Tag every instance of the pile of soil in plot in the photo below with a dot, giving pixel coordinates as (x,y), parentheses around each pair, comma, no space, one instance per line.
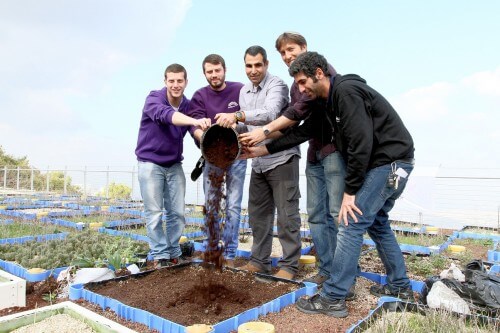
(194,294)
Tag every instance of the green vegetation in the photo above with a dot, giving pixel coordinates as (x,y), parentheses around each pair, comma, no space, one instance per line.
(97,217)
(433,321)
(420,239)
(116,192)
(426,266)
(20,229)
(88,245)
(474,249)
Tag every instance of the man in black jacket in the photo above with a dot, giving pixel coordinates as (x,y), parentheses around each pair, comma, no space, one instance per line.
(378,151)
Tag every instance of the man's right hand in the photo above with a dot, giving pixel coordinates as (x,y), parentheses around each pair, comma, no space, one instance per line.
(202,123)
(252,138)
(249,152)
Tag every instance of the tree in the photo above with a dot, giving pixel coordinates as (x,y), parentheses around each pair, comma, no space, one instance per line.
(27,174)
(117,191)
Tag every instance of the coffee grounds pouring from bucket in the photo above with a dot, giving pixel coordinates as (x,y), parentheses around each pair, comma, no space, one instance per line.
(220,147)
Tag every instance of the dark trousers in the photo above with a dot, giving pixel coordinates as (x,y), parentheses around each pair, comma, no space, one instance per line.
(276,189)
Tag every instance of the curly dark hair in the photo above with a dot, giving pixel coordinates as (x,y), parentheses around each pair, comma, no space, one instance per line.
(307,63)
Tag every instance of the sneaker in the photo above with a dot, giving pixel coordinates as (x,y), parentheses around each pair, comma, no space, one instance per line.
(403,294)
(159,263)
(179,260)
(317,304)
(318,279)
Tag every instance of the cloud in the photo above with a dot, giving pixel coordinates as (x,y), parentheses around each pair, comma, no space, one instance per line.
(454,122)
(484,83)
(425,103)
(56,52)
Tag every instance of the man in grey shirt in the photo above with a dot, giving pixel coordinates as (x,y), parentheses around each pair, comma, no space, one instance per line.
(274,182)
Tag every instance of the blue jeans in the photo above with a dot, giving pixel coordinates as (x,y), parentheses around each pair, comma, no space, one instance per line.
(235,179)
(163,188)
(375,199)
(325,188)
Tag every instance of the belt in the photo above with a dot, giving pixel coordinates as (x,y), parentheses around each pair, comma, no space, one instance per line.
(406,160)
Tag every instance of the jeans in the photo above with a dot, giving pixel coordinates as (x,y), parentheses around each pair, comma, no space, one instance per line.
(235,179)
(325,188)
(163,188)
(375,199)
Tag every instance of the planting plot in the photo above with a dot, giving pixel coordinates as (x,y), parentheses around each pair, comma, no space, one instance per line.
(406,225)
(98,217)
(142,230)
(418,267)
(474,249)
(88,245)
(427,321)
(196,294)
(482,231)
(419,239)
(30,228)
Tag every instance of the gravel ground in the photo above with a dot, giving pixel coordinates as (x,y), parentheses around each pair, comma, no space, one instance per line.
(61,323)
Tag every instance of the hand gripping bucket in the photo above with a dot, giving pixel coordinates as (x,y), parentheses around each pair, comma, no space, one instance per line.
(220,146)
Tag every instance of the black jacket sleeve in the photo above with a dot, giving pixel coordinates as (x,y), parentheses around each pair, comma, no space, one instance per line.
(293,137)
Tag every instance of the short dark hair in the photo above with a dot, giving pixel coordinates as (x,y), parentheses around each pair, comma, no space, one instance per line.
(307,63)
(254,50)
(213,59)
(176,68)
(290,37)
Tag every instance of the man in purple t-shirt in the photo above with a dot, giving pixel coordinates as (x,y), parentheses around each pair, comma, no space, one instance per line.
(159,154)
(220,96)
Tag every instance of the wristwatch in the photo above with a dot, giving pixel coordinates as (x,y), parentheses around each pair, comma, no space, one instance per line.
(238,115)
(266,131)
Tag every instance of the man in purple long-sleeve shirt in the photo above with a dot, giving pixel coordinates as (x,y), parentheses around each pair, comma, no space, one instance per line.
(159,154)
(220,96)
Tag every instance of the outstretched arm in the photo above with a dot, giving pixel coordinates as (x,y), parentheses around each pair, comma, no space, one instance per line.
(257,135)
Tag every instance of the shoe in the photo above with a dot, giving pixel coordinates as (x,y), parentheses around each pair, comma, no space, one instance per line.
(403,294)
(252,268)
(179,260)
(351,294)
(317,304)
(282,274)
(229,263)
(160,263)
(318,279)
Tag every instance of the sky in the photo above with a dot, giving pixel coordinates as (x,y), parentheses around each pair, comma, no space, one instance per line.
(74,74)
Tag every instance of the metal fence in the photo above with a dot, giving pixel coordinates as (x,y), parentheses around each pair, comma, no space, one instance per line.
(447,197)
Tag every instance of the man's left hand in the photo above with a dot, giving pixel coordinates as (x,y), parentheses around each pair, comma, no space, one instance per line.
(348,208)
(252,138)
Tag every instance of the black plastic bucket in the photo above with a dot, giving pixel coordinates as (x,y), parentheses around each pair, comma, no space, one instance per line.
(220,146)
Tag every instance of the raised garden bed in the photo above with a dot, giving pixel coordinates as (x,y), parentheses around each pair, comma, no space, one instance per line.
(198,296)
(397,316)
(49,255)
(65,317)
(21,228)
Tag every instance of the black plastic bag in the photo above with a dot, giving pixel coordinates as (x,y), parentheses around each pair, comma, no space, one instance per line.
(480,290)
